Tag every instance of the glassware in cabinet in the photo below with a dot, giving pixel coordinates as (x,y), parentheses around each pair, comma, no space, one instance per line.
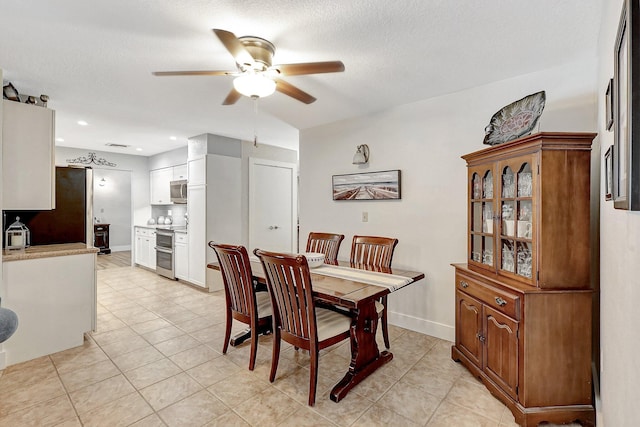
(481,218)
(517,221)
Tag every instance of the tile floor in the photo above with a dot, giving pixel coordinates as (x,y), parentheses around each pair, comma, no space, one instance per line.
(156,360)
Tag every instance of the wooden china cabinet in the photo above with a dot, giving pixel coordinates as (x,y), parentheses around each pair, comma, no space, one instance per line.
(523,299)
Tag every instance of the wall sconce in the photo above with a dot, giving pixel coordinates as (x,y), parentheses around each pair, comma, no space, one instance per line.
(362,155)
(102,182)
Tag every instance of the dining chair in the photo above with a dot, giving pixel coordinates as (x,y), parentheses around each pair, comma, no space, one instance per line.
(375,253)
(326,243)
(296,319)
(242,302)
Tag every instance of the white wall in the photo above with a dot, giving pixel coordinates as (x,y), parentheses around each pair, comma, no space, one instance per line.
(620,270)
(169,158)
(425,140)
(137,165)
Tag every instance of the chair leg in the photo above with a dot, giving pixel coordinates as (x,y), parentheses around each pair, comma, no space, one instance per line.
(385,326)
(313,377)
(254,346)
(275,355)
(227,332)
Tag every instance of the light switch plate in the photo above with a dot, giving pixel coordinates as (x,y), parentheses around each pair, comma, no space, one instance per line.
(365,216)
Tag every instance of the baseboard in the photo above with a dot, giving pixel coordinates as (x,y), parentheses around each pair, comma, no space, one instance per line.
(424,326)
(120,248)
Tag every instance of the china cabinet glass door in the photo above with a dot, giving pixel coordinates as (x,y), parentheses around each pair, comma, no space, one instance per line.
(516,225)
(482,217)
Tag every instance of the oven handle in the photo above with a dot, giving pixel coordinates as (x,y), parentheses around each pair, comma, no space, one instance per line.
(164,250)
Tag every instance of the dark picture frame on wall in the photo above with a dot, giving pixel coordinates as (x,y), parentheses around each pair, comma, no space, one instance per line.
(383,185)
(626,151)
(609,106)
(608,173)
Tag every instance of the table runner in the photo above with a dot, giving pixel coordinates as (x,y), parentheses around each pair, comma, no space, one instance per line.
(390,281)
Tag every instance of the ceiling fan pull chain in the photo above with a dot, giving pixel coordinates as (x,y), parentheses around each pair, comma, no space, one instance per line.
(255,121)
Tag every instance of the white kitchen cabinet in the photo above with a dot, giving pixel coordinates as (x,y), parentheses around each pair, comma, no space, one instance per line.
(159,183)
(214,213)
(197,170)
(28,157)
(160,180)
(180,172)
(144,250)
(181,253)
(55,300)
(197,229)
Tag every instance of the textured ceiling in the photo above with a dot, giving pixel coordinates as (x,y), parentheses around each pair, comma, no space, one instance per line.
(94,59)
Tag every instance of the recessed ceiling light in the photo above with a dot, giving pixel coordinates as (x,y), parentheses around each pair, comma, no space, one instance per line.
(60,139)
(173,138)
(138,149)
(82,123)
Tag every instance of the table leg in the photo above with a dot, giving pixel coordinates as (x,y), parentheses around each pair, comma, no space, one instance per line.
(240,337)
(365,356)
(244,335)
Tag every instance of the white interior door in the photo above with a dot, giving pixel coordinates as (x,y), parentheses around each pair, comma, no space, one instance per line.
(273,205)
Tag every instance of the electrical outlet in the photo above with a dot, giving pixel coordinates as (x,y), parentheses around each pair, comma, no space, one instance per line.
(365,216)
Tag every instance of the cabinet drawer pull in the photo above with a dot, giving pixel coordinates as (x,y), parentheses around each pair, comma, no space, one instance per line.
(464,284)
(500,302)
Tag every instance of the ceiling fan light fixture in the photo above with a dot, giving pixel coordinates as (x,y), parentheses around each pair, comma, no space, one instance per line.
(254,85)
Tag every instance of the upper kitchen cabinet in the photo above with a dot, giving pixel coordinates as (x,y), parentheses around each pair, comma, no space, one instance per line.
(160,181)
(180,172)
(28,157)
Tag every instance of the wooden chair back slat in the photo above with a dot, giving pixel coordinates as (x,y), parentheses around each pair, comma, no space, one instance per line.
(372,251)
(236,275)
(289,282)
(326,243)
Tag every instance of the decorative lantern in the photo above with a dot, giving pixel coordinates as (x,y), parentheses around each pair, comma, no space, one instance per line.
(17,236)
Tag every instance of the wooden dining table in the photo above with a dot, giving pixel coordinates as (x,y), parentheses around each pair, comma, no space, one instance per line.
(358,297)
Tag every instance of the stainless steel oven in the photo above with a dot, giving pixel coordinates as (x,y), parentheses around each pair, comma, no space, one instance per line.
(165,262)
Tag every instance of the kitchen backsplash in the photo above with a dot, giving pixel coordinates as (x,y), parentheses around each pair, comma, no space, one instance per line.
(177,213)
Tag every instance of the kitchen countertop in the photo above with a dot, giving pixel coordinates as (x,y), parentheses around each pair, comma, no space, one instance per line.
(47,251)
(177,228)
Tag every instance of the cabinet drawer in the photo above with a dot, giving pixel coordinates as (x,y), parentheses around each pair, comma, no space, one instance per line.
(181,238)
(500,300)
(145,232)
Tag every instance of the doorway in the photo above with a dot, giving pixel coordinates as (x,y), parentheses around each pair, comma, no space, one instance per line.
(112,205)
(273,205)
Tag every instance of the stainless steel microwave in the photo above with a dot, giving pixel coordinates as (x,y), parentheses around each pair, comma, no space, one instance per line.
(179,191)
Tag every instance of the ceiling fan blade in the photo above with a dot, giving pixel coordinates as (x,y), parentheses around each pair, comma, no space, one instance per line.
(310,68)
(234,46)
(194,73)
(232,97)
(294,92)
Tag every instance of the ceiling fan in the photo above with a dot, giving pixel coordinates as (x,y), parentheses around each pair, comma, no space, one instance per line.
(256,76)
